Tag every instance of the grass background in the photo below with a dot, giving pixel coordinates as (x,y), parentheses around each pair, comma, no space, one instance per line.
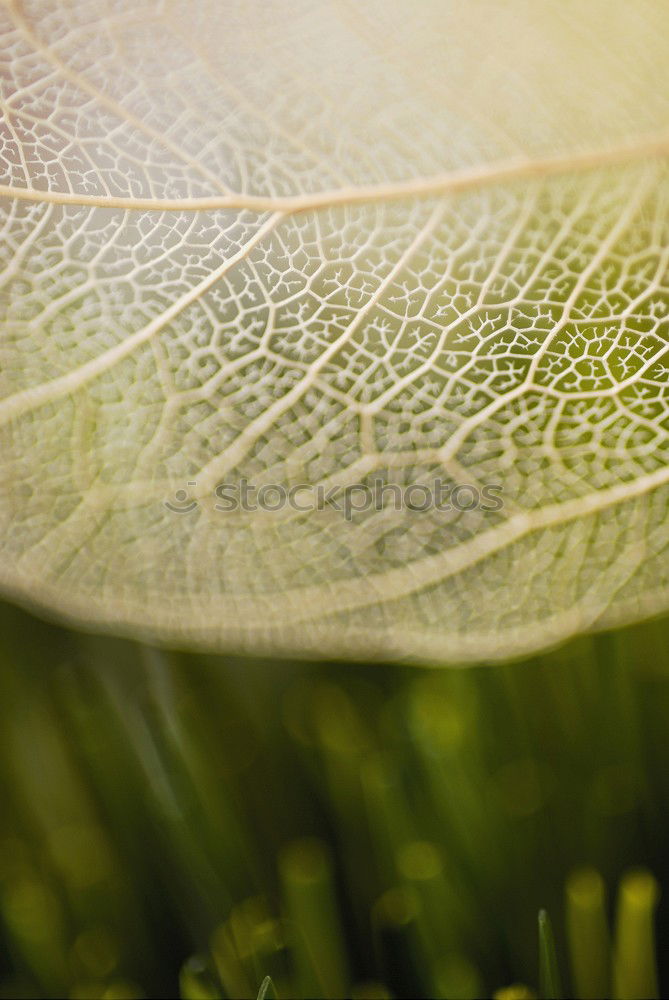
(175,822)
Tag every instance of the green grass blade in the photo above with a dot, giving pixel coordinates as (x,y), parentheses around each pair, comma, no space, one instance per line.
(309,891)
(549,977)
(634,967)
(588,934)
(267,991)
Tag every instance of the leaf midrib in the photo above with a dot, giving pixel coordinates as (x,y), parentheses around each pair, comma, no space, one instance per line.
(649,146)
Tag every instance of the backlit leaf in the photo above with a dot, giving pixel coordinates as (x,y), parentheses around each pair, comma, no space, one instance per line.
(346,245)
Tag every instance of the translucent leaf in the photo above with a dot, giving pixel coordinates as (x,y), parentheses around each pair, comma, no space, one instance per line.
(363,247)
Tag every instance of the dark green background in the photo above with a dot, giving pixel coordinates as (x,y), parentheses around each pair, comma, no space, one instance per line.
(147,794)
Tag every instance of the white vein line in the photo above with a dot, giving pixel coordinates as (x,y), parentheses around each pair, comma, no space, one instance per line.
(34,396)
(123,113)
(442,337)
(653,146)
(528,385)
(221,464)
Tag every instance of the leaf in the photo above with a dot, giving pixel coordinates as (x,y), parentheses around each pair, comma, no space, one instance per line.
(338,245)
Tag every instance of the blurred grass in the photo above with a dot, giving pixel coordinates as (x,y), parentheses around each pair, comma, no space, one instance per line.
(180,823)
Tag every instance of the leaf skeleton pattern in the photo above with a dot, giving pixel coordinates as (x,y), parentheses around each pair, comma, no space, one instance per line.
(328,245)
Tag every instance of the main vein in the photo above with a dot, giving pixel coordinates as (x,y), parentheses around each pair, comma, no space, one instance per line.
(653,146)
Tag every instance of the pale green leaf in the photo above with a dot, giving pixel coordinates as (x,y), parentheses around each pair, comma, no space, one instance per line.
(325,243)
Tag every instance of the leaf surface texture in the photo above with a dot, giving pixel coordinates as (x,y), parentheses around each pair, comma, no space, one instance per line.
(335,244)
